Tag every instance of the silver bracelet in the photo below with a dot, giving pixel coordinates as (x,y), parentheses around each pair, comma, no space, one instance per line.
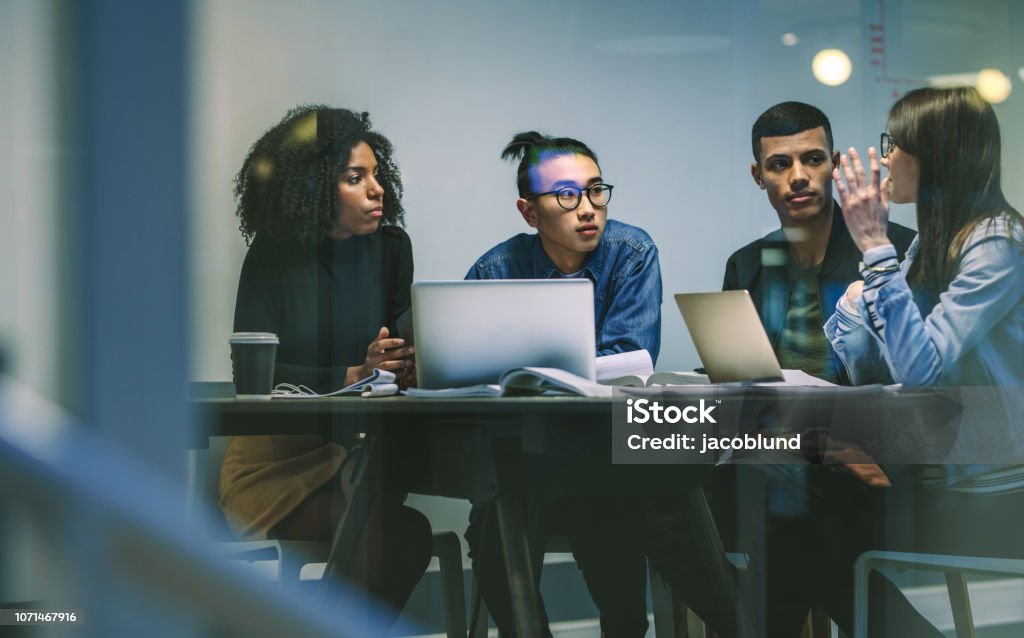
(862,266)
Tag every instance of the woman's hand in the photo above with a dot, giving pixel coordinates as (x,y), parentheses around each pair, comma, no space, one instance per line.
(853,292)
(383,353)
(853,460)
(407,377)
(865,200)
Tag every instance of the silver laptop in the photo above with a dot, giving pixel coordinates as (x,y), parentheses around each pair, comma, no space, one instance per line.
(730,339)
(469,332)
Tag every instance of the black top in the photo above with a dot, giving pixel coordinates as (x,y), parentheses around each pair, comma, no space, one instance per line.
(762,267)
(325,302)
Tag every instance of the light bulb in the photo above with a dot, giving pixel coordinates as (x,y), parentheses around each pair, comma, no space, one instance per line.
(831,67)
(993,85)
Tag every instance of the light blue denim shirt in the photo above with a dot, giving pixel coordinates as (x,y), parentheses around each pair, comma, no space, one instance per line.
(974,336)
(626,276)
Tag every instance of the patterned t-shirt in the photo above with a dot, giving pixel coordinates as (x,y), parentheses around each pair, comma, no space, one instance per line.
(802,344)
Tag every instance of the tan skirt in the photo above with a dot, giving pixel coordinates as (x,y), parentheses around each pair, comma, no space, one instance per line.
(264,478)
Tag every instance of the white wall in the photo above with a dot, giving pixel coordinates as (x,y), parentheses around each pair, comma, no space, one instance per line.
(665,92)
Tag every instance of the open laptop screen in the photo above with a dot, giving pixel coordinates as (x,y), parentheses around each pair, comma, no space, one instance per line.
(729,337)
(469,332)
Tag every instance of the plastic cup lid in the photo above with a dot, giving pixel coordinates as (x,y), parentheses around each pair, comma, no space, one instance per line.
(253,337)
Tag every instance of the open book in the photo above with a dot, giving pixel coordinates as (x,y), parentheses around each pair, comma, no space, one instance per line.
(524,382)
(635,369)
(379,384)
(552,381)
(660,378)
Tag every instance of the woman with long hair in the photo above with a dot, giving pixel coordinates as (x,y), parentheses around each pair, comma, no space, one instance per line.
(328,270)
(951,315)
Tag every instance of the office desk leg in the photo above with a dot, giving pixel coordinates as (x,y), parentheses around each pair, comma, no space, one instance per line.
(353,521)
(515,544)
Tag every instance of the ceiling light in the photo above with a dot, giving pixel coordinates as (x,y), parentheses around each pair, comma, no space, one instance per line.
(831,67)
(993,85)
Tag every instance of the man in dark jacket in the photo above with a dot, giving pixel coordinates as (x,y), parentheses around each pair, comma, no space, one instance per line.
(795,276)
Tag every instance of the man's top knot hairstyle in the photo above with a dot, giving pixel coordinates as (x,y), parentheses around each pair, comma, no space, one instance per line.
(531,148)
(788,118)
(287,189)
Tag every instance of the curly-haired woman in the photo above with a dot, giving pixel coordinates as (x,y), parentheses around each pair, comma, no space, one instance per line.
(328,270)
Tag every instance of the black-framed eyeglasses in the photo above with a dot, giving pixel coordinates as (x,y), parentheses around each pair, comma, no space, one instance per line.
(569,197)
(886,144)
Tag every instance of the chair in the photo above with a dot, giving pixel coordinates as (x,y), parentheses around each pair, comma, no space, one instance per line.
(672,619)
(203,487)
(955,569)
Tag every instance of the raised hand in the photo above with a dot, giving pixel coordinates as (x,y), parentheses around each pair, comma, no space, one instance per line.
(864,199)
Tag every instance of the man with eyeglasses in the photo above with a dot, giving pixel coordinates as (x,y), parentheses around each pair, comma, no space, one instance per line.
(562,195)
(796,275)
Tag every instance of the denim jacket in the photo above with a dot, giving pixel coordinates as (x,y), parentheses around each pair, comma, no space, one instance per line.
(974,336)
(626,276)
